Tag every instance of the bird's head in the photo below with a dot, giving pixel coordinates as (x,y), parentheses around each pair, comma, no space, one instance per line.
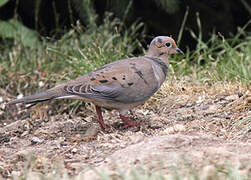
(162,47)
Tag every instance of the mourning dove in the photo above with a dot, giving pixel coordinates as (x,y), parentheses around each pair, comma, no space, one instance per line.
(120,85)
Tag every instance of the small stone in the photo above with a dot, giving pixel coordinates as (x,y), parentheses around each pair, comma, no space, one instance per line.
(36,140)
(200,100)
(20,96)
(74,150)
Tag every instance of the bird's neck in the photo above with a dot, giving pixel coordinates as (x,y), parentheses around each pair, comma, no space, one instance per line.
(162,57)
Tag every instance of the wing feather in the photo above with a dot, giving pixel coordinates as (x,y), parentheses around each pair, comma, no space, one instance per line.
(104,92)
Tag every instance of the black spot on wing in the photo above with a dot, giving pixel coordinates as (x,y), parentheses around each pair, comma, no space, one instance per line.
(130,84)
(103,81)
(114,78)
(93,79)
(139,73)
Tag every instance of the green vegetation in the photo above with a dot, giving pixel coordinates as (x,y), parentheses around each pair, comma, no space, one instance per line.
(219,59)
(77,52)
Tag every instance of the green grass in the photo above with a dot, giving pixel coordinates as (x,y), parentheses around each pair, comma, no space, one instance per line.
(218,59)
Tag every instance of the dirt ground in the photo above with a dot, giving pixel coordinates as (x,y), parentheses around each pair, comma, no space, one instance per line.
(200,124)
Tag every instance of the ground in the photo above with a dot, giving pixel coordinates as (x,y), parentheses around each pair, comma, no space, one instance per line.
(199,126)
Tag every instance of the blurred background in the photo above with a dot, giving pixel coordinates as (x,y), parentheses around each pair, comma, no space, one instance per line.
(53,18)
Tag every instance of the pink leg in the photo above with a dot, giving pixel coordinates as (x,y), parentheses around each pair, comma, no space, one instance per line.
(100,117)
(127,122)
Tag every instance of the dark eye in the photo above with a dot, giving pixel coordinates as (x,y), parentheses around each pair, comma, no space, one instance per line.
(168,44)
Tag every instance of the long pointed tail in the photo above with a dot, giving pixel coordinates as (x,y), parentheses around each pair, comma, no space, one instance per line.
(39,97)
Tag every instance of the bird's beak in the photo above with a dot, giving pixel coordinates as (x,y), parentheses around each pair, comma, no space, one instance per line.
(179,51)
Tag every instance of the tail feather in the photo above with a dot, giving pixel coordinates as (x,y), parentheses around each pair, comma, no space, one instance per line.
(39,97)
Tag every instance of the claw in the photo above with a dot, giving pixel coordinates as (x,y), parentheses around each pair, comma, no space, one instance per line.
(128,123)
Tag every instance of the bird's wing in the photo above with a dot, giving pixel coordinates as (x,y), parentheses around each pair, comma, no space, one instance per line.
(127,81)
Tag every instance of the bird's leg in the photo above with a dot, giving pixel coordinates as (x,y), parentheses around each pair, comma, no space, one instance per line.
(100,117)
(127,122)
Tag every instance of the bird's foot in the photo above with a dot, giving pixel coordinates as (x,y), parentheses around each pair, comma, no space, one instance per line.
(128,123)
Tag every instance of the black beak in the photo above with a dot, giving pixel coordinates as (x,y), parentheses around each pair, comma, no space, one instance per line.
(179,51)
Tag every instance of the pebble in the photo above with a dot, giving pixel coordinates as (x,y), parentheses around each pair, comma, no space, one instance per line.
(36,140)
(200,100)
(74,150)
(20,96)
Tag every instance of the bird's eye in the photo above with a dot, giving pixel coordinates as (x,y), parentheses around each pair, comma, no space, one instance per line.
(168,44)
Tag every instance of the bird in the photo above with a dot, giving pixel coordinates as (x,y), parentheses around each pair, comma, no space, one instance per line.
(120,85)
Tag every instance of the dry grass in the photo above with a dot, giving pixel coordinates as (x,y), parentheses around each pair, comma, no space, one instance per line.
(203,127)
(225,106)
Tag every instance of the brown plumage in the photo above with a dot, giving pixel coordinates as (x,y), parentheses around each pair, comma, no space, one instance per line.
(120,85)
